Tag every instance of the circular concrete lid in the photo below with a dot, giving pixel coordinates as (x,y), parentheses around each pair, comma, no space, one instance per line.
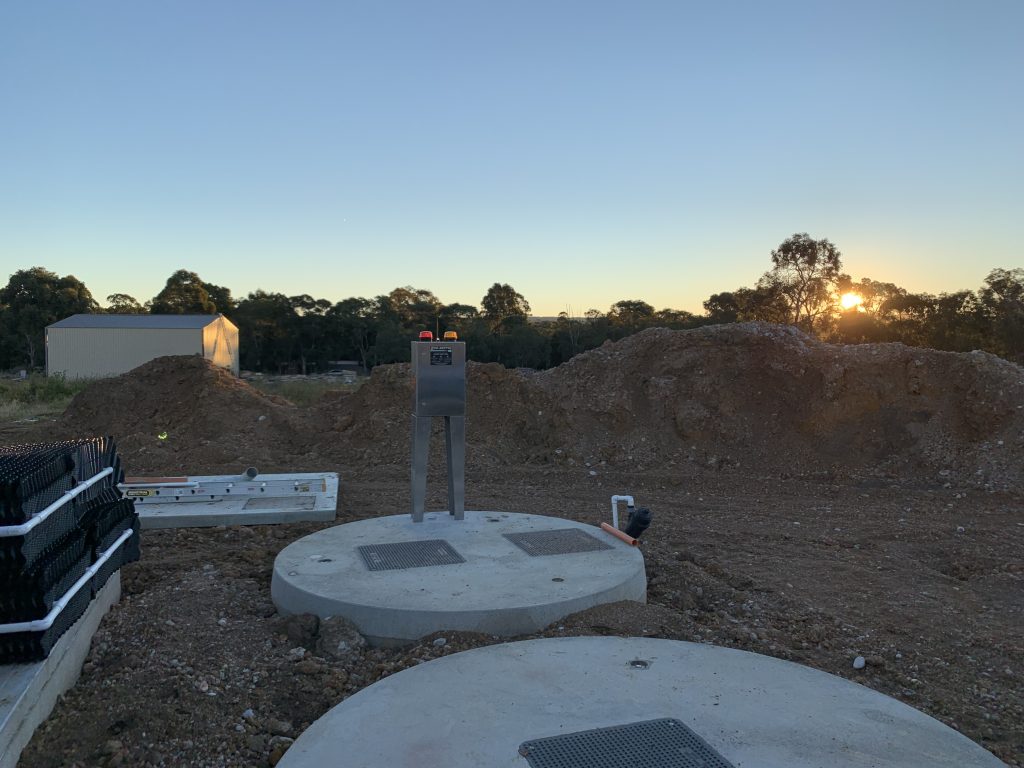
(499,589)
(476,708)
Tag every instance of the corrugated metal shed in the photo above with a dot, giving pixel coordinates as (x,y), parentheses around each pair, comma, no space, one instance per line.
(136,321)
(97,346)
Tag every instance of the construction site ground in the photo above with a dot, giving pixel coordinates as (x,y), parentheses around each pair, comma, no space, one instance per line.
(811,502)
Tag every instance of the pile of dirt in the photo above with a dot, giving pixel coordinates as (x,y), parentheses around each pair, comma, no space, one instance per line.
(509,420)
(183,414)
(763,399)
(771,399)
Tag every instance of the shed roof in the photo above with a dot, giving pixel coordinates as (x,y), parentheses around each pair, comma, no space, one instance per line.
(164,322)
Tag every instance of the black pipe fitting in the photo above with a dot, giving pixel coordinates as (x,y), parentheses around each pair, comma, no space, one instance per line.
(638,522)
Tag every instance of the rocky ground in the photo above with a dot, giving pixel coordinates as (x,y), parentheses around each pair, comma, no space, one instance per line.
(906,548)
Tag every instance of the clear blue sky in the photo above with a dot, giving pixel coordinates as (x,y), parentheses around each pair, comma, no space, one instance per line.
(584,152)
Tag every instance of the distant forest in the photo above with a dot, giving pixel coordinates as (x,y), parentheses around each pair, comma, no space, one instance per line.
(805,287)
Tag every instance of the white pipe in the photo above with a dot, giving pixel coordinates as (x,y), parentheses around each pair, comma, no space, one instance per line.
(21,530)
(46,622)
(615,507)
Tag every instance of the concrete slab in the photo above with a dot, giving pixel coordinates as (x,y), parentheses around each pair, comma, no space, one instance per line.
(476,708)
(264,500)
(28,692)
(205,514)
(499,589)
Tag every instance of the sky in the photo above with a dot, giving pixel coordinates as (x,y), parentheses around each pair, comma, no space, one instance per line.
(583,152)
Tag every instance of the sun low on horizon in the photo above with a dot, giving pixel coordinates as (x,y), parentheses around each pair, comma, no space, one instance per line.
(851,301)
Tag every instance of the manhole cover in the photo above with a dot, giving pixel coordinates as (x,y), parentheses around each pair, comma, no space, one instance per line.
(664,743)
(560,542)
(409,554)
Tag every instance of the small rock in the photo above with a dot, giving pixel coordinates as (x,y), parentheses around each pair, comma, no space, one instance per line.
(440,642)
(297,653)
(277,727)
(222,622)
(338,638)
(859,662)
(277,751)
(276,754)
(960,529)
(308,667)
(256,742)
(248,714)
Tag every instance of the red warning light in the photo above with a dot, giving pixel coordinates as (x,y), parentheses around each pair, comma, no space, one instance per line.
(426,336)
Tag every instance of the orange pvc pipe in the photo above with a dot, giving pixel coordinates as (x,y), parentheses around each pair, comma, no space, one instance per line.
(620,535)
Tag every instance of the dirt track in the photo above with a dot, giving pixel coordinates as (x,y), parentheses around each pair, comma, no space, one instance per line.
(812,502)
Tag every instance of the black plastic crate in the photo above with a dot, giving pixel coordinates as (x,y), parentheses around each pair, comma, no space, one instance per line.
(20,647)
(112,521)
(88,454)
(133,547)
(39,567)
(18,553)
(29,602)
(34,476)
(32,481)
(127,552)
(29,594)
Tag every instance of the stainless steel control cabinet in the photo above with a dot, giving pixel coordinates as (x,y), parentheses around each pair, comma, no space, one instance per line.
(439,369)
(439,389)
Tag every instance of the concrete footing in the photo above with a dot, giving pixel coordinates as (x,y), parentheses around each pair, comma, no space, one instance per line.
(199,501)
(477,708)
(28,692)
(269,511)
(482,579)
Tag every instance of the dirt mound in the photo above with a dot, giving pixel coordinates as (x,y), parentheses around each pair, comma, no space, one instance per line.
(509,420)
(213,421)
(764,399)
(771,399)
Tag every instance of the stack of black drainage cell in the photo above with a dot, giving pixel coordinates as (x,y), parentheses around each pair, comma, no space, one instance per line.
(64,530)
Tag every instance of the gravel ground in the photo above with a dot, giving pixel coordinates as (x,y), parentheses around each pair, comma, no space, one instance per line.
(195,668)
(813,502)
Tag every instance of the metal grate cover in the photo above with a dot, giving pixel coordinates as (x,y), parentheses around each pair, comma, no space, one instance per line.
(563,541)
(409,554)
(664,743)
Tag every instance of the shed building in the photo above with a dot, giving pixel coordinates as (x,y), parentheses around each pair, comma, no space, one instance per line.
(97,346)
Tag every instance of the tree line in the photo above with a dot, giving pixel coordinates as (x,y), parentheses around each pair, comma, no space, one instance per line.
(805,286)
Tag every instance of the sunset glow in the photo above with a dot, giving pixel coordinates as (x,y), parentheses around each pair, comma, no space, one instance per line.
(850,300)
